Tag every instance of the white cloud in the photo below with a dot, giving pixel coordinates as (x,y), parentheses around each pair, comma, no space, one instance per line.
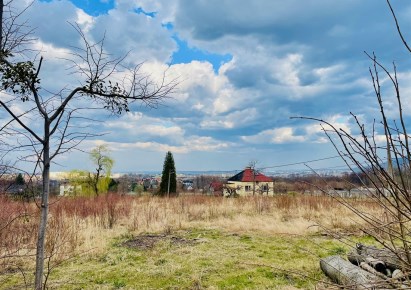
(157,130)
(50,51)
(195,143)
(84,20)
(200,88)
(224,102)
(190,144)
(198,106)
(283,64)
(237,119)
(286,70)
(142,38)
(325,73)
(149,146)
(275,136)
(140,126)
(339,122)
(217,124)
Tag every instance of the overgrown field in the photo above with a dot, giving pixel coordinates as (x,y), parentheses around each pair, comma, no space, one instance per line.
(187,242)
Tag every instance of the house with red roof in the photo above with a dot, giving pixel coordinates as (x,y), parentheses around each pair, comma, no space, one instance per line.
(249,182)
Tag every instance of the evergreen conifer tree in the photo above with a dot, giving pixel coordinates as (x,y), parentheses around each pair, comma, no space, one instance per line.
(20,179)
(168,176)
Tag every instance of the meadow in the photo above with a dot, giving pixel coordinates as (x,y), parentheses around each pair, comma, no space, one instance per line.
(186,242)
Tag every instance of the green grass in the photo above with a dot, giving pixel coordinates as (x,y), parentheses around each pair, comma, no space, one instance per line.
(214,260)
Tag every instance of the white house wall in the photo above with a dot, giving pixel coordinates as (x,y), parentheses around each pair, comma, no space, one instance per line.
(246,188)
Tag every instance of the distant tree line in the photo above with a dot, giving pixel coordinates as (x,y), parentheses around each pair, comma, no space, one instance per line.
(309,183)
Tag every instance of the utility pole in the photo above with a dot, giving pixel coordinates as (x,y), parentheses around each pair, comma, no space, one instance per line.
(168,186)
(390,168)
(253,169)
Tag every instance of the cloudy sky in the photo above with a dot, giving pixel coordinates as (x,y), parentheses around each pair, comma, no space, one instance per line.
(244,68)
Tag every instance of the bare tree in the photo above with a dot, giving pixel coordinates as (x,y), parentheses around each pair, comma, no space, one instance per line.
(99,82)
(381,153)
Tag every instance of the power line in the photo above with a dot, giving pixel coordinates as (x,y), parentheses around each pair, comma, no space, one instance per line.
(343,167)
(301,162)
(291,164)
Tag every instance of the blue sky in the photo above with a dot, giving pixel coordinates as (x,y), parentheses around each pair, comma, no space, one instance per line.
(245,68)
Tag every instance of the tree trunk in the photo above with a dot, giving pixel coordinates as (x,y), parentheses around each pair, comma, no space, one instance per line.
(345,273)
(390,259)
(357,259)
(43,212)
(95,181)
(1,27)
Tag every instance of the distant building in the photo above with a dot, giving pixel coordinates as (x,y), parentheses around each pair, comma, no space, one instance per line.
(68,189)
(249,182)
(188,184)
(150,183)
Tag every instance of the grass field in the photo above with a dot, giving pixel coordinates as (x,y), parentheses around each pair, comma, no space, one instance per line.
(188,242)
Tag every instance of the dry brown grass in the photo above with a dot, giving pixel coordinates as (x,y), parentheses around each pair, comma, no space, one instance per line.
(88,225)
(92,219)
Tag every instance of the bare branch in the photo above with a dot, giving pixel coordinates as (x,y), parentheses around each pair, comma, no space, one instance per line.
(398,26)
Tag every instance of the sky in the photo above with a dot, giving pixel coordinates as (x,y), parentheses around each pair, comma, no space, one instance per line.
(243,67)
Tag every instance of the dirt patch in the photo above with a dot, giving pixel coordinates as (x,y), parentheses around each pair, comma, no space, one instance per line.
(146,242)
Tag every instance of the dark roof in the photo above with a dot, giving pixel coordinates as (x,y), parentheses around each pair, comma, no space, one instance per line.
(250,175)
